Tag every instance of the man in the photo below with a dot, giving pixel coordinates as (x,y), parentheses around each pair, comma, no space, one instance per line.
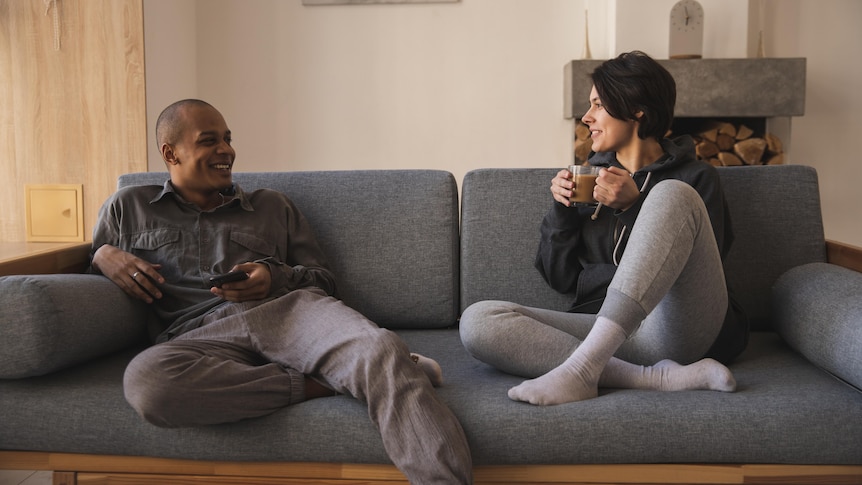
(279,337)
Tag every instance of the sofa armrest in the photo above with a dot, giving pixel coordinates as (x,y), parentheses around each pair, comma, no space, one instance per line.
(49,322)
(817,310)
(845,255)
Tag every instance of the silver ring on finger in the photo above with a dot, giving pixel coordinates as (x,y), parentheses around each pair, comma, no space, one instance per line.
(135,275)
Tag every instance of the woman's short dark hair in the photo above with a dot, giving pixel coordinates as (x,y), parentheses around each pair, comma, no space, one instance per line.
(634,82)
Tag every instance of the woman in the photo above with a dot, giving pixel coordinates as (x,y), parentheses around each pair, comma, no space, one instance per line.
(648,259)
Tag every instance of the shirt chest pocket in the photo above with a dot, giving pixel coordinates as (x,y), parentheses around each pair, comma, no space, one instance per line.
(155,240)
(252,245)
(159,246)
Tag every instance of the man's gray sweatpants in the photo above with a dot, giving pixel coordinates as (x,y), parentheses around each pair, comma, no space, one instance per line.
(250,359)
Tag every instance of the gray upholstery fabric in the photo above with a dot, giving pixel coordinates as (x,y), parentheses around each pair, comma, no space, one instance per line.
(501,212)
(785,411)
(777,224)
(775,212)
(808,318)
(49,322)
(83,410)
(391,237)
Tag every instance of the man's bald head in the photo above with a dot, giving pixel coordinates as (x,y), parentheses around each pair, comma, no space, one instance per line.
(170,125)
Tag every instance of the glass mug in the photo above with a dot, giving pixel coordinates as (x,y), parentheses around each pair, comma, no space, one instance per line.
(584,179)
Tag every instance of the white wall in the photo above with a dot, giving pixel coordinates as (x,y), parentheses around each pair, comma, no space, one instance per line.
(471,84)
(644,25)
(827,137)
(170,53)
(450,86)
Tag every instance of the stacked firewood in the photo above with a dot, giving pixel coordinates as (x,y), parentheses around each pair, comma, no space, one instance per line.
(583,142)
(728,145)
(720,143)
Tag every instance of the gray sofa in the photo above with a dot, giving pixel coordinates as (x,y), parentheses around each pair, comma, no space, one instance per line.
(405,258)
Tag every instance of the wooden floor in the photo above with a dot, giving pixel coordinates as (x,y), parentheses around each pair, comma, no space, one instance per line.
(25,477)
(102,470)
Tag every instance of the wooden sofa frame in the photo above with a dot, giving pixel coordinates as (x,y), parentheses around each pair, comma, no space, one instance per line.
(80,469)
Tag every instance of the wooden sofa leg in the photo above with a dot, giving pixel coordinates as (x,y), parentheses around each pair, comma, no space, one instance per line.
(65,478)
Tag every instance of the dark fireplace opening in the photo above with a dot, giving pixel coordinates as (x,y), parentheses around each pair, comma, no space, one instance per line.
(695,126)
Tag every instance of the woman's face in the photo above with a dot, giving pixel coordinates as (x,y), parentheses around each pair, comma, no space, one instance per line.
(609,134)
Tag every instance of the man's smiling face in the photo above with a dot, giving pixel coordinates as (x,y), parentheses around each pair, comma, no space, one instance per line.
(203,155)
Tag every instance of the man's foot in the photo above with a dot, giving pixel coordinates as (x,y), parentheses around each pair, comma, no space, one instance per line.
(430,367)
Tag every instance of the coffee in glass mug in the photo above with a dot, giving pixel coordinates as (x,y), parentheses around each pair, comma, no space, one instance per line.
(584,178)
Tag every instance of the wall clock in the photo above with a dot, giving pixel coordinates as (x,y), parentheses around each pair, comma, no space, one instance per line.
(686,30)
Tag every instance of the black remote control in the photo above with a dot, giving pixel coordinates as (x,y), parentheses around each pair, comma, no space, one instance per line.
(221,279)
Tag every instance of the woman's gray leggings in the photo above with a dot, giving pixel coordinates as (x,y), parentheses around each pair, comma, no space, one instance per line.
(668,294)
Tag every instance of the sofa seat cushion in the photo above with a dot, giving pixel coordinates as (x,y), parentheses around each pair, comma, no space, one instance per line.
(808,318)
(43,325)
(786,411)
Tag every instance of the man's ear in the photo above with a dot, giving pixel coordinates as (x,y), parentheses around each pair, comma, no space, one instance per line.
(168,154)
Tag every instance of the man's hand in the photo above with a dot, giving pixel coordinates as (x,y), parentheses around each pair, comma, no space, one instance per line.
(138,278)
(256,287)
(615,188)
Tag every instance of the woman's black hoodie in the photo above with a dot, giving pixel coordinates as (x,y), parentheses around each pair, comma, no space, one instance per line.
(577,254)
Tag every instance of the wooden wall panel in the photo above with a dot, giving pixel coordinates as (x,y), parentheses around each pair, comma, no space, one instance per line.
(73,115)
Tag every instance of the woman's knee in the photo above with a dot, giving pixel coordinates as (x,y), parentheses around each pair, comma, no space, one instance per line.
(479,323)
(673,195)
(676,189)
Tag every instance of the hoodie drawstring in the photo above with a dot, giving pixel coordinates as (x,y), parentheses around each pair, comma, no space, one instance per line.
(623,232)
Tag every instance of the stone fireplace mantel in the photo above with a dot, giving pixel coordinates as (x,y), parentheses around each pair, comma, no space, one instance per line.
(712,88)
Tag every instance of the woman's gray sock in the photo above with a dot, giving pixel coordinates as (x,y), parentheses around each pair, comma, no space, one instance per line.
(577,378)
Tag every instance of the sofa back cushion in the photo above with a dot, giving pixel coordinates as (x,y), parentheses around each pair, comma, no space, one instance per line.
(391,237)
(777,225)
(501,211)
(775,212)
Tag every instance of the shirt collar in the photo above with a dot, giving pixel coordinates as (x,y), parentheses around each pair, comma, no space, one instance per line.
(238,194)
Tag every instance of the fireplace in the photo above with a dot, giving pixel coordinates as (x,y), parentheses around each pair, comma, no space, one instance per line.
(742,105)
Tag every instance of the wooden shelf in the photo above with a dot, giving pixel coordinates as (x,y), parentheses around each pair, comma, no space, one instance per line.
(845,255)
(43,257)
